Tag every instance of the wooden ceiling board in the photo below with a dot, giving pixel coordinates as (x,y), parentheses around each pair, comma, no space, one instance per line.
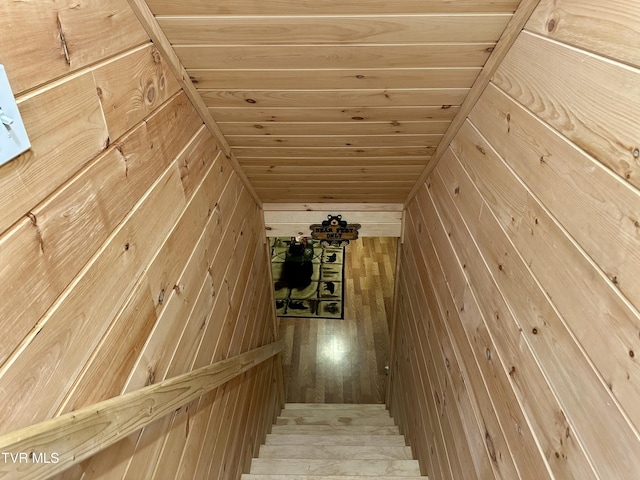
(325,30)
(313,57)
(335,114)
(345,191)
(353,184)
(333,128)
(332,163)
(310,152)
(319,79)
(302,196)
(393,171)
(333,100)
(327,7)
(339,98)
(291,172)
(431,140)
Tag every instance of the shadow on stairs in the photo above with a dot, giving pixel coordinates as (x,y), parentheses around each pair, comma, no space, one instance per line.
(313,441)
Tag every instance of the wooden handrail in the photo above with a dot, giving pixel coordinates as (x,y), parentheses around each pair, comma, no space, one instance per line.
(45,449)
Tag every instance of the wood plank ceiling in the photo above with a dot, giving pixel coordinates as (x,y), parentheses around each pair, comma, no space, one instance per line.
(333,100)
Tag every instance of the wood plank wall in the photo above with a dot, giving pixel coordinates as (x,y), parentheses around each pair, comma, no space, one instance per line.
(516,351)
(130,251)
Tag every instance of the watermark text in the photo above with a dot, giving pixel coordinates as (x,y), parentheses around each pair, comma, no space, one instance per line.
(30,457)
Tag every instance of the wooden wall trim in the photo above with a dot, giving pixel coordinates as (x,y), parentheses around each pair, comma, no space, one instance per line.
(345,207)
(160,40)
(394,323)
(293,219)
(282,394)
(76,436)
(508,37)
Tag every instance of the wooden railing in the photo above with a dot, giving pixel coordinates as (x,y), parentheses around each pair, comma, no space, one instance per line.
(50,447)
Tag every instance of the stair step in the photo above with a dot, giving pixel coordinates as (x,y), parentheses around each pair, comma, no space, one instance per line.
(333,406)
(342,412)
(339,429)
(346,421)
(353,452)
(358,407)
(334,442)
(371,440)
(335,467)
(251,476)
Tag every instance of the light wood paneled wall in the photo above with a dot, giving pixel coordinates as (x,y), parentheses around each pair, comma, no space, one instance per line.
(517,339)
(130,250)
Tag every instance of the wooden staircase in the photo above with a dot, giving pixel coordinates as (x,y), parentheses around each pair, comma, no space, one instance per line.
(313,441)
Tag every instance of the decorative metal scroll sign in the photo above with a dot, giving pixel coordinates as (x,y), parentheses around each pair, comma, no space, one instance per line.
(335,231)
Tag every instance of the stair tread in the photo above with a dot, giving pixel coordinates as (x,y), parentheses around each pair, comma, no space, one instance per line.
(337,421)
(348,452)
(349,430)
(342,412)
(334,442)
(334,467)
(258,476)
(336,406)
(328,439)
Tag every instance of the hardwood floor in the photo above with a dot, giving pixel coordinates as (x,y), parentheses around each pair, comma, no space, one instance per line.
(342,361)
